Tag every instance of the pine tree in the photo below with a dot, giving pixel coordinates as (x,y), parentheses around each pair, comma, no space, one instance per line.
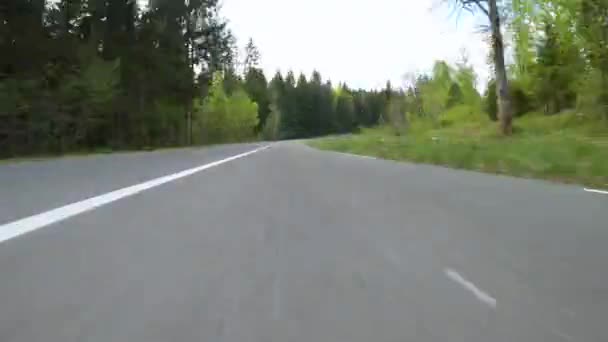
(252,57)
(257,89)
(304,108)
(344,110)
(289,115)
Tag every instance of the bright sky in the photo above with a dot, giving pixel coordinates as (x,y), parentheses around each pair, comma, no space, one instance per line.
(362,42)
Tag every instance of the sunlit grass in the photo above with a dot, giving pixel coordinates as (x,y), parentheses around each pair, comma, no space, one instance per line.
(568,147)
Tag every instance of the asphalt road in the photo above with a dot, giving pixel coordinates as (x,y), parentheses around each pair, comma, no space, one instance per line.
(294,244)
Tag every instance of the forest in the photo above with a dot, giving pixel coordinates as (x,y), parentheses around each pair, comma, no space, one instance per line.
(89,75)
(86,75)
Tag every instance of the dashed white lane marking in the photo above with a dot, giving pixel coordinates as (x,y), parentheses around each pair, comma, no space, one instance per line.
(563,336)
(29,224)
(597,191)
(481,295)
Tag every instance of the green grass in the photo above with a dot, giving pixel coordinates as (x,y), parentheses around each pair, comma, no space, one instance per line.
(567,147)
(87,153)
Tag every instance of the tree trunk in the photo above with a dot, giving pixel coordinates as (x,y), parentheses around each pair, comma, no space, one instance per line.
(505,111)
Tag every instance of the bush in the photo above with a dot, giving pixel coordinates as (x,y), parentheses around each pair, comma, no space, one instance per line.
(223,118)
(520,100)
(270,131)
(459,113)
(344,109)
(396,117)
(242,117)
(590,95)
(489,101)
(167,123)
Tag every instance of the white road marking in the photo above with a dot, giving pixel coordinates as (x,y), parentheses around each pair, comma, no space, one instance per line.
(481,295)
(563,336)
(29,224)
(597,191)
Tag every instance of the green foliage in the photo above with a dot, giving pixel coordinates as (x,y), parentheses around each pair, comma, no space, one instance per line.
(95,87)
(489,101)
(465,77)
(455,96)
(521,102)
(222,118)
(272,125)
(524,14)
(436,91)
(555,72)
(232,82)
(446,88)
(90,74)
(243,114)
(211,115)
(166,124)
(590,95)
(344,108)
(553,147)
(461,113)
(311,107)
(257,89)
(369,105)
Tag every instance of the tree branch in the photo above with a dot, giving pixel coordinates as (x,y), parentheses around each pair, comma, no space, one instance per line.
(483,9)
(479,3)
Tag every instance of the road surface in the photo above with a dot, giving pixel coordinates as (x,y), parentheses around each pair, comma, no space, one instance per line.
(294,244)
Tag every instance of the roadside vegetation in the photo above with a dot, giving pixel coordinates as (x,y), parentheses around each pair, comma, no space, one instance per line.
(567,148)
(556,97)
(89,75)
(80,76)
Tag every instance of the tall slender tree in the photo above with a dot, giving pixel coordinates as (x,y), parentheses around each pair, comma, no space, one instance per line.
(252,57)
(489,8)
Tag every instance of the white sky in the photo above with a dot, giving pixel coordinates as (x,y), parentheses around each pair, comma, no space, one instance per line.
(362,42)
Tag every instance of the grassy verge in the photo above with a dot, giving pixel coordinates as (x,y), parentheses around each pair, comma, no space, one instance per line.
(108,150)
(91,152)
(568,147)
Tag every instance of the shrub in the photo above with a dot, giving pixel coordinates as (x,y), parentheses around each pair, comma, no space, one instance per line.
(489,101)
(590,95)
(395,113)
(270,131)
(459,113)
(223,118)
(520,100)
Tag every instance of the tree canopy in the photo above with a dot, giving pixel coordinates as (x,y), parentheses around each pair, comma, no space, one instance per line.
(89,74)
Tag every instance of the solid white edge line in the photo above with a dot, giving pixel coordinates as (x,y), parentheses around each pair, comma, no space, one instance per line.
(23,226)
(597,191)
(481,295)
